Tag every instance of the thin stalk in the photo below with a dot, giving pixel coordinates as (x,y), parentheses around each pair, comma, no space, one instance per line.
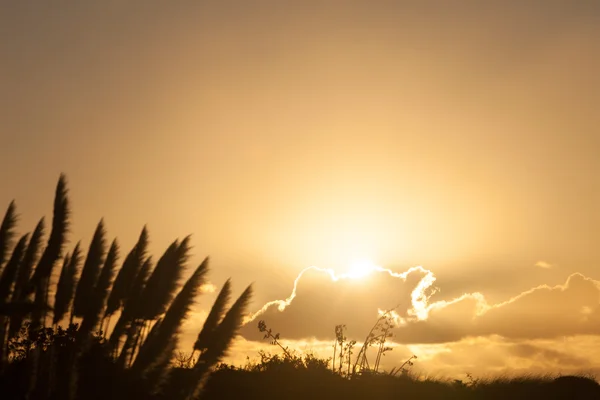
(334,350)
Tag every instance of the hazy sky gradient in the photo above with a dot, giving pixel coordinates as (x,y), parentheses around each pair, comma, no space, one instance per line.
(461,136)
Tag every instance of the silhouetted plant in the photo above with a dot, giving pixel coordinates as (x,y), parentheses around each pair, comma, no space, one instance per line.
(221,340)
(160,287)
(183,360)
(378,335)
(41,277)
(274,338)
(128,315)
(6,283)
(39,352)
(214,318)
(10,270)
(7,231)
(97,300)
(65,288)
(408,363)
(127,274)
(89,273)
(155,348)
(29,260)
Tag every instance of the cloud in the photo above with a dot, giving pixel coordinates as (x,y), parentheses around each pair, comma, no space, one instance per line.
(541,312)
(544,264)
(320,300)
(543,330)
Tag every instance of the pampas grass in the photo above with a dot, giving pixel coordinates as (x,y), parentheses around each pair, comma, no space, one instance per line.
(10,270)
(53,251)
(140,293)
(156,345)
(94,309)
(163,282)
(65,288)
(7,231)
(127,275)
(216,314)
(90,272)
(29,260)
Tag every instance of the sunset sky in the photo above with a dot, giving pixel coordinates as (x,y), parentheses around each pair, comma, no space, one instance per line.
(462,137)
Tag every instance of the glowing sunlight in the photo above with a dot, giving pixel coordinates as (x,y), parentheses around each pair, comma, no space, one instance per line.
(360,269)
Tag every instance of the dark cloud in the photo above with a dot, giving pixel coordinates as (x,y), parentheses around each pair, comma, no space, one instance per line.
(541,312)
(322,303)
(549,356)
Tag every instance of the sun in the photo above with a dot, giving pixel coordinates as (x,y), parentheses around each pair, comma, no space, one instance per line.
(360,269)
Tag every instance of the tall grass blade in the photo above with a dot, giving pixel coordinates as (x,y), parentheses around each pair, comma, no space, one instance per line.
(57,239)
(60,289)
(6,284)
(127,274)
(93,314)
(65,287)
(220,341)
(29,260)
(132,306)
(9,273)
(53,251)
(89,274)
(216,314)
(226,331)
(163,282)
(157,344)
(7,231)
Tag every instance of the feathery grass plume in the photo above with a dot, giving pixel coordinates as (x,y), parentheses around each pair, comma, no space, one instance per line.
(157,344)
(132,305)
(94,311)
(10,271)
(133,312)
(226,331)
(216,314)
(52,252)
(6,283)
(65,287)
(19,294)
(29,260)
(91,317)
(127,274)
(57,239)
(60,289)
(89,273)
(154,330)
(163,282)
(6,231)
(221,340)
(133,308)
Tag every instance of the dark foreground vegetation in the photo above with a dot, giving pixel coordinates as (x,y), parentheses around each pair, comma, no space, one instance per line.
(43,288)
(285,382)
(85,325)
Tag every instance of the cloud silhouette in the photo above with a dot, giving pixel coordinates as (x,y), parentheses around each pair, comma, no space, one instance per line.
(320,300)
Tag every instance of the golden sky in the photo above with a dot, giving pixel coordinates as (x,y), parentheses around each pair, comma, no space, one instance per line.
(462,137)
